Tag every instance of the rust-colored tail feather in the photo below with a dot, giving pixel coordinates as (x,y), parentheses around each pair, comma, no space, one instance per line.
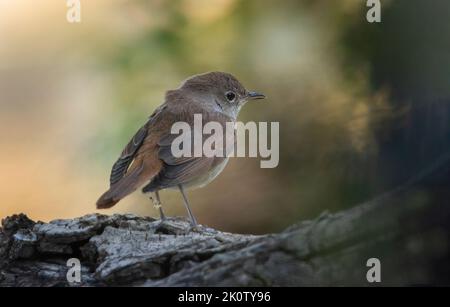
(106,201)
(128,184)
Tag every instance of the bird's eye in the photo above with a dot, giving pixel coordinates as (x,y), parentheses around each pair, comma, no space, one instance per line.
(230,96)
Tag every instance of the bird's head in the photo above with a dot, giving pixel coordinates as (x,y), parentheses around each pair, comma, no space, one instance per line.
(221,91)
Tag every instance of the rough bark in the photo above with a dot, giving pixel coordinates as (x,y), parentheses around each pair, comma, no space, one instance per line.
(407,230)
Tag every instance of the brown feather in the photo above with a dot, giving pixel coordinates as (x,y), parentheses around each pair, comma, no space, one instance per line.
(147,157)
(141,162)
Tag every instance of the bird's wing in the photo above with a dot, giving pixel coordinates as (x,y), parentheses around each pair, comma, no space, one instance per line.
(137,164)
(182,170)
(122,164)
(183,173)
(129,153)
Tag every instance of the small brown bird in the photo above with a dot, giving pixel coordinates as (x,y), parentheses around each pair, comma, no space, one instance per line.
(148,160)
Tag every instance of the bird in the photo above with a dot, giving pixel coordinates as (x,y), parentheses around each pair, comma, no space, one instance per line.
(147,160)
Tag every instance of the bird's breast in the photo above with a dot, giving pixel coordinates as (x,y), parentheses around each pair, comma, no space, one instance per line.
(209,176)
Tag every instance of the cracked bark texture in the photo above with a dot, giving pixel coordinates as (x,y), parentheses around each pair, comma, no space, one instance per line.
(406,229)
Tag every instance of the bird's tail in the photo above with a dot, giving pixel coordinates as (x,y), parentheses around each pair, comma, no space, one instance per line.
(128,184)
(106,200)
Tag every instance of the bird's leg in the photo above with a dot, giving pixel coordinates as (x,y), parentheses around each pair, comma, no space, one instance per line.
(161,212)
(186,204)
(157,204)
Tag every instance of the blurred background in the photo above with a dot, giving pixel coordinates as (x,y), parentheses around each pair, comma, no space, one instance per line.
(362,107)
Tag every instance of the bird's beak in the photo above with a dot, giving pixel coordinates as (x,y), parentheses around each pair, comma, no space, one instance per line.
(255,95)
